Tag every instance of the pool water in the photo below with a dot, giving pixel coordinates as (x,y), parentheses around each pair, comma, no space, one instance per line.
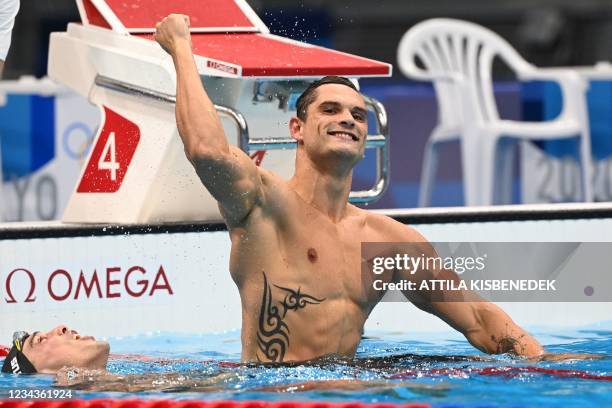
(433,368)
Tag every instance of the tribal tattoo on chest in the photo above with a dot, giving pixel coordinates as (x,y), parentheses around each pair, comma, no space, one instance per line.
(273,332)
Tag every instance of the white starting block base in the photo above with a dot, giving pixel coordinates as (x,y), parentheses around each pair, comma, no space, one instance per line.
(137,172)
(155,182)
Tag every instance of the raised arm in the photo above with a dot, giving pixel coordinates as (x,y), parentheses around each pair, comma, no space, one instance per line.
(486,326)
(227,172)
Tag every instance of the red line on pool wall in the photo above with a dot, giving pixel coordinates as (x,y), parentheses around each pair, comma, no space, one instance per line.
(109,403)
(515,371)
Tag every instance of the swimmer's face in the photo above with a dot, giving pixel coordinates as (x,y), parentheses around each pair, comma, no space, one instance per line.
(62,347)
(336,124)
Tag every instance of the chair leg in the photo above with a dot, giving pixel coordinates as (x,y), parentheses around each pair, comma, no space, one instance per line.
(478,163)
(507,150)
(488,171)
(586,166)
(428,173)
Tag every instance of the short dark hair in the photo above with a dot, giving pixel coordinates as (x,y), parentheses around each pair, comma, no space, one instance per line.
(309,95)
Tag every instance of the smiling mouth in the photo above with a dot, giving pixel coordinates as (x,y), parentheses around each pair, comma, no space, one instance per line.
(344,135)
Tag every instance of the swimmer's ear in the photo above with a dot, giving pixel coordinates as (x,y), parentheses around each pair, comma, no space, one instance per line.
(296,128)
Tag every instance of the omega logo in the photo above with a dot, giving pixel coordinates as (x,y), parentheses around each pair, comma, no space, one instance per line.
(111,282)
(9,292)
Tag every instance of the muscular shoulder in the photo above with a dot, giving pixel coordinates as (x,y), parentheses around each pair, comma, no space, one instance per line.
(270,179)
(385,228)
(275,188)
(277,197)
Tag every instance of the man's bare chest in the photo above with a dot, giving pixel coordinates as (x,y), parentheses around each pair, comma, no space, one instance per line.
(327,258)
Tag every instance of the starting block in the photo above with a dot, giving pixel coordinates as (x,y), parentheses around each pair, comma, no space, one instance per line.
(136,171)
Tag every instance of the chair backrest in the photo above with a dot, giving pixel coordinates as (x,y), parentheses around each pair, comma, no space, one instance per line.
(458,57)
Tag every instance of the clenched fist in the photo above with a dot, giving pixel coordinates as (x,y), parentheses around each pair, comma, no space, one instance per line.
(171,31)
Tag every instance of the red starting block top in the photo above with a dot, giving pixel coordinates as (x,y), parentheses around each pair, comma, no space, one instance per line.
(230,33)
(209,15)
(140,16)
(267,55)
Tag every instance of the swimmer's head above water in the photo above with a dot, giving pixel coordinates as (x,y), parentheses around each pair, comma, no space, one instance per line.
(331,123)
(48,352)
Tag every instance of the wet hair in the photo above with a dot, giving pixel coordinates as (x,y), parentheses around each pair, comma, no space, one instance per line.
(309,95)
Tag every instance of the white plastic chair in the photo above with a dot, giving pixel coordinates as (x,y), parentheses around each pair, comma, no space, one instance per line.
(458,56)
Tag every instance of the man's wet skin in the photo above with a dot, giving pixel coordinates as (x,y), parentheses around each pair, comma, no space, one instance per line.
(297,266)
(296,245)
(197,381)
(61,346)
(204,383)
(388,371)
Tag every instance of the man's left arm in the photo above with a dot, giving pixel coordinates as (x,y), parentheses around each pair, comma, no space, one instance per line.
(486,326)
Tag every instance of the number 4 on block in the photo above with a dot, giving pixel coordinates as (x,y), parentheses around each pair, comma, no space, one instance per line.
(111,156)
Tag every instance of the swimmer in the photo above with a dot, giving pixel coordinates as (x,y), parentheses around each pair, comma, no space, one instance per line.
(386,374)
(296,245)
(80,362)
(93,381)
(48,352)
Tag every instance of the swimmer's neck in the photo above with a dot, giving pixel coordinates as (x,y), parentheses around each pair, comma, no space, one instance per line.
(325,190)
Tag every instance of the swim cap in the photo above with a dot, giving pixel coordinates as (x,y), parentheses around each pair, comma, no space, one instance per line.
(16,362)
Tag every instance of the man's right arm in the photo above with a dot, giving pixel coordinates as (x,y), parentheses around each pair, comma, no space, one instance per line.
(227,172)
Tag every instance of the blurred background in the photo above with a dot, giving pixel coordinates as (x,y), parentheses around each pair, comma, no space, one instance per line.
(547,33)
